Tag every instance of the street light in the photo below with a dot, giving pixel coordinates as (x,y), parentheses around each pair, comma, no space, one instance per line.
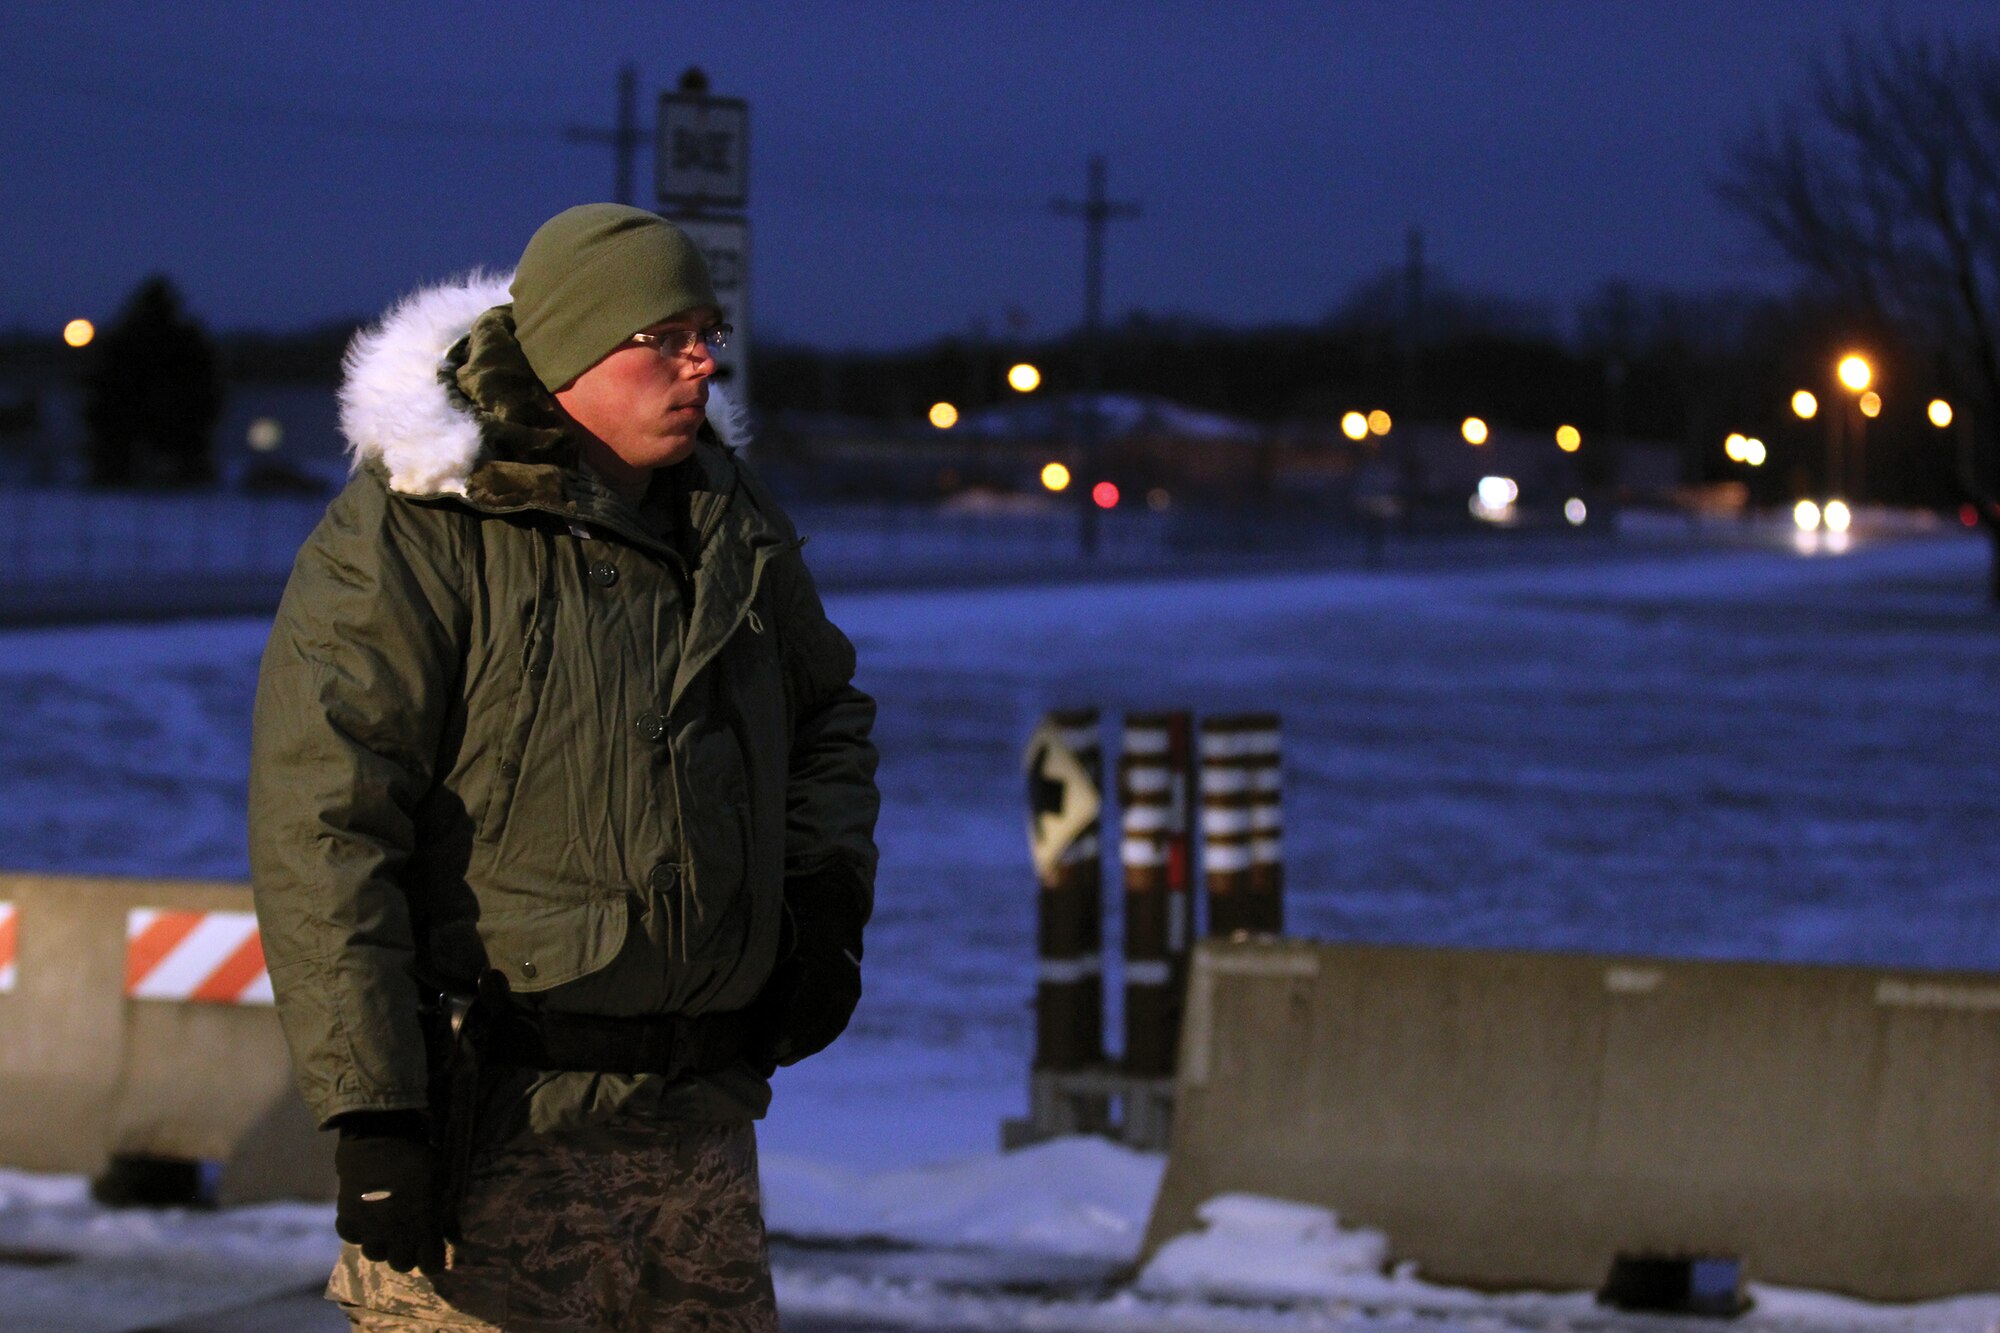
(1354,426)
(944,416)
(265,434)
(1804,406)
(1024,378)
(1569,439)
(1848,457)
(1733,447)
(79,332)
(1378,422)
(1055,476)
(1939,412)
(1474,431)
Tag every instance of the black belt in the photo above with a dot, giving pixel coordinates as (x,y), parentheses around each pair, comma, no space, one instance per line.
(672,1045)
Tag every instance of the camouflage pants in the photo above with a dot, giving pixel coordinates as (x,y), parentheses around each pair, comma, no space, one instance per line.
(632,1225)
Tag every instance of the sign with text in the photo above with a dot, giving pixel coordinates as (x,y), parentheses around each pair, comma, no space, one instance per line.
(701,152)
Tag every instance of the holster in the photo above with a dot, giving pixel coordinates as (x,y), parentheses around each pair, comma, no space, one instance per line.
(458,1028)
(468,1034)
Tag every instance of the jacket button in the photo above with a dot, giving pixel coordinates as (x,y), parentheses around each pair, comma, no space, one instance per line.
(528,968)
(652,726)
(509,769)
(665,875)
(603,575)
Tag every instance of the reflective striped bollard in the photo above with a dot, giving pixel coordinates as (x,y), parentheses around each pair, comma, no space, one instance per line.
(1154,851)
(1242,823)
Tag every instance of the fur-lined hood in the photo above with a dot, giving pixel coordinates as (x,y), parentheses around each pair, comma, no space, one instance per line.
(396,407)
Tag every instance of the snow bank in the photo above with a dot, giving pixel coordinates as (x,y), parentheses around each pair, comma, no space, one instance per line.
(56,1213)
(1257,1249)
(1075,1197)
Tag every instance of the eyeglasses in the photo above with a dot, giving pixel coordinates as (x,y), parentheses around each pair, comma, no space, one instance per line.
(680,342)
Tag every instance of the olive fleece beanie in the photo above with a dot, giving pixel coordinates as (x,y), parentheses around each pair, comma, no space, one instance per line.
(594,275)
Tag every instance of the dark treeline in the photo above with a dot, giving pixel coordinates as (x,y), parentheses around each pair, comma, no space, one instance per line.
(1651,364)
(1632,361)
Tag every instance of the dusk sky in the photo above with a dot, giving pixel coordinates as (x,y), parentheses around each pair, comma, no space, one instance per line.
(289,164)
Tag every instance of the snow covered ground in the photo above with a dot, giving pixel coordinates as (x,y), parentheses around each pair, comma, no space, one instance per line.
(1745,754)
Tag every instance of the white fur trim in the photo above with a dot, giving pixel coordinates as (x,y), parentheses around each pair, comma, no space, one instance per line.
(392,405)
(394,408)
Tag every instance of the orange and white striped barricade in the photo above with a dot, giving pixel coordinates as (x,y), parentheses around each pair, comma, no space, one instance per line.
(141,1027)
(195,957)
(8,931)
(1154,770)
(1241,824)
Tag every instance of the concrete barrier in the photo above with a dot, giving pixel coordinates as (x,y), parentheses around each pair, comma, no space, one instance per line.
(1516,1119)
(87,1072)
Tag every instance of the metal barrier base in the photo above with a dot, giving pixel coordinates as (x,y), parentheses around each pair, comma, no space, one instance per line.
(1135,1110)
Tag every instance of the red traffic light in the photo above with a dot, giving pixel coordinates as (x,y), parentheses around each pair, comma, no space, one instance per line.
(1105,495)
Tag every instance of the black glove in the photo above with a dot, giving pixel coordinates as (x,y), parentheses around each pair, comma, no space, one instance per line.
(814,988)
(388,1204)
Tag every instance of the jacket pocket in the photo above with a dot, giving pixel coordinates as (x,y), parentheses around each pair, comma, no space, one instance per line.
(541,944)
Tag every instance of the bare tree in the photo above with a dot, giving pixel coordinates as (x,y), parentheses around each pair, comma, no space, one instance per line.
(1884,188)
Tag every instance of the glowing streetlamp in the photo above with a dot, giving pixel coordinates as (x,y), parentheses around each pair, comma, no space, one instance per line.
(1378,422)
(79,332)
(1733,447)
(1754,452)
(1354,426)
(1939,412)
(1055,477)
(1838,516)
(1023,378)
(265,434)
(944,416)
(1847,438)
(1569,439)
(1474,430)
(1804,406)
(1805,515)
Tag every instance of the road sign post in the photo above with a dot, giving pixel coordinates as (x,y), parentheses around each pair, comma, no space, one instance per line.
(701,180)
(725,244)
(1063,764)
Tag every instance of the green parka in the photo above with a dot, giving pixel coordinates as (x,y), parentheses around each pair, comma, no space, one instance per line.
(506,721)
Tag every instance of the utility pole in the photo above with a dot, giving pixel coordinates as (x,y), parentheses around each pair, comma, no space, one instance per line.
(624,139)
(1095,210)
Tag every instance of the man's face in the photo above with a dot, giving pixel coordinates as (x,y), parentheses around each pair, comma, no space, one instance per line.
(646,407)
